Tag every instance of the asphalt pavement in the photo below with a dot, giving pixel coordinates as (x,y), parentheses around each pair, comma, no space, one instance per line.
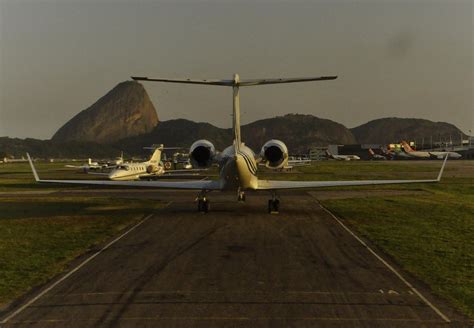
(236,266)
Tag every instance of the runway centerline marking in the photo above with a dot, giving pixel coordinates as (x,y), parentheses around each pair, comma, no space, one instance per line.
(391,268)
(67,275)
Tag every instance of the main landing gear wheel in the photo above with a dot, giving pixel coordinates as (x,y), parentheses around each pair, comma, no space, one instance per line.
(273,204)
(241,196)
(203,203)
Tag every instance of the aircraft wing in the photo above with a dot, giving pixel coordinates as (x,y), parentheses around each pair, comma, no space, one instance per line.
(192,184)
(277,184)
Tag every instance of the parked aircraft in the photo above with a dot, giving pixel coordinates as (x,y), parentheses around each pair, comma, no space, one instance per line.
(298,161)
(342,157)
(428,154)
(151,168)
(88,167)
(237,163)
(374,156)
(95,166)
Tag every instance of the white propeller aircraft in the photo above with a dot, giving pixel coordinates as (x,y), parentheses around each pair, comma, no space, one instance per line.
(237,163)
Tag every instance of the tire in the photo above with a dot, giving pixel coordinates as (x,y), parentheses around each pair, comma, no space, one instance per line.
(205,206)
(200,209)
(276,205)
(270,206)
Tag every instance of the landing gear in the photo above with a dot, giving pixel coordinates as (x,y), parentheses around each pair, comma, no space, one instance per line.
(241,196)
(273,204)
(203,202)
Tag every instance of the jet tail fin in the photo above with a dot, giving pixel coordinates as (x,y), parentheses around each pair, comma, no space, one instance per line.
(406,147)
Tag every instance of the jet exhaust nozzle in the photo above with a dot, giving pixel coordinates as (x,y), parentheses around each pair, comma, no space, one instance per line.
(202,154)
(274,154)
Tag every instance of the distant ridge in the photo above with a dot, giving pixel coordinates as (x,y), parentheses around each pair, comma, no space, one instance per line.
(124,111)
(393,130)
(299,132)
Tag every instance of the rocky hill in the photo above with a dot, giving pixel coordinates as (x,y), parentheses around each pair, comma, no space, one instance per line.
(392,130)
(299,132)
(123,112)
(179,133)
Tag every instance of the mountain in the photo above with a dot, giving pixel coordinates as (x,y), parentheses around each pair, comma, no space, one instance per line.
(299,132)
(124,111)
(179,133)
(393,130)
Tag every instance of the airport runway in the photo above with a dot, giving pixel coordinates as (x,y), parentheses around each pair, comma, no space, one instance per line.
(235,266)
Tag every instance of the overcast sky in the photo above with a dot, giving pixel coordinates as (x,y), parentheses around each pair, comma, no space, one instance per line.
(393,58)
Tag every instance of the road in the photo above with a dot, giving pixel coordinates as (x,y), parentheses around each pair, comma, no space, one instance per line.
(235,266)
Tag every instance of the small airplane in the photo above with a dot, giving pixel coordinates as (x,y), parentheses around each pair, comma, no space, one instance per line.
(95,166)
(342,157)
(90,166)
(428,154)
(151,168)
(375,156)
(298,161)
(238,164)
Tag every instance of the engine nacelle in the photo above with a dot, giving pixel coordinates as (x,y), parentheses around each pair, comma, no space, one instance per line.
(202,153)
(152,169)
(274,154)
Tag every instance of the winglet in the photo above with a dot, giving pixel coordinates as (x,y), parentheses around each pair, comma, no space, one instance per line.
(33,168)
(442,168)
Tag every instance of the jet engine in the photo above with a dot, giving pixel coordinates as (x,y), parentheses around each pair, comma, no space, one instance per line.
(274,154)
(152,169)
(202,154)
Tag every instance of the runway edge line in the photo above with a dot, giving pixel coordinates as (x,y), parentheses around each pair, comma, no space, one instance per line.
(67,275)
(391,268)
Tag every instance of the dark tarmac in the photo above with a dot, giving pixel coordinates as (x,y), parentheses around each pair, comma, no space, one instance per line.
(236,266)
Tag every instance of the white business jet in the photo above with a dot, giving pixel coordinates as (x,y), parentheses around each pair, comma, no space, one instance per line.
(153,168)
(237,163)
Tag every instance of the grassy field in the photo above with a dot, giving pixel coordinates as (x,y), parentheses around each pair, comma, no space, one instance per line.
(429,231)
(41,234)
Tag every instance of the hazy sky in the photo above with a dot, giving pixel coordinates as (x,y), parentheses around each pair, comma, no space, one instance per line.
(393,58)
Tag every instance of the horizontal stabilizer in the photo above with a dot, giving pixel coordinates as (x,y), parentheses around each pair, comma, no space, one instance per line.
(239,83)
